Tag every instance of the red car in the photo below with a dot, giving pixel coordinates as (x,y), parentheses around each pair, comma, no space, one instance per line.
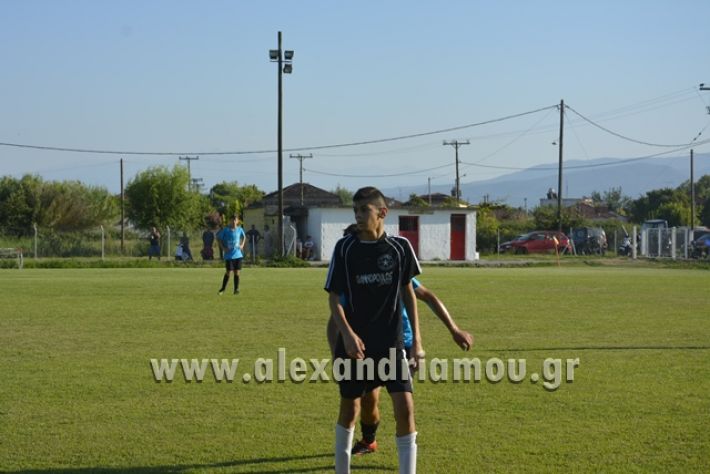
(541,241)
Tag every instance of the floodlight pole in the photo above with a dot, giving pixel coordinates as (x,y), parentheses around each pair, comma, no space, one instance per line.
(559,171)
(284,66)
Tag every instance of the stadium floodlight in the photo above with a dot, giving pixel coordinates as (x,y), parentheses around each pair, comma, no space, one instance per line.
(283,60)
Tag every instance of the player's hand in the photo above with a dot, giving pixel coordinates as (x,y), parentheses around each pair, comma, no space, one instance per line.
(463,339)
(354,347)
(418,356)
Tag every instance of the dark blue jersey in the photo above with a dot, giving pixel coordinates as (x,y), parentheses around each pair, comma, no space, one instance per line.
(371,275)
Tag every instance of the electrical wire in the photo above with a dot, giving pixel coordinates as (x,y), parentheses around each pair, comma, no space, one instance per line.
(376,175)
(255,152)
(601,127)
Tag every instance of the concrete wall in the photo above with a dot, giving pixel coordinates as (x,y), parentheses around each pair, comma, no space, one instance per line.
(471,253)
(326,227)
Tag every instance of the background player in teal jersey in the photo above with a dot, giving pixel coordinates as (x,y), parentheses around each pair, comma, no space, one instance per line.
(231,240)
(369,409)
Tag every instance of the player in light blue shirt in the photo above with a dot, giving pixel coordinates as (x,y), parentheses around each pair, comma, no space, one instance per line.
(231,240)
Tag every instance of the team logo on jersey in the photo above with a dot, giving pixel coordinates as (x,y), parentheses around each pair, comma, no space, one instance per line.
(385,262)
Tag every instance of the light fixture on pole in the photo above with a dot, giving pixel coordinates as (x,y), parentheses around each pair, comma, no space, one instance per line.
(283,60)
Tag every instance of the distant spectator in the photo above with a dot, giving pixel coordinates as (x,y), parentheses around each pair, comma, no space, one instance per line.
(207,251)
(253,238)
(268,242)
(308,248)
(185,244)
(154,239)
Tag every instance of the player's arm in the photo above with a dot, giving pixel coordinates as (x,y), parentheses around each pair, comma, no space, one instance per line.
(242,240)
(410,303)
(218,236)
(462,338)
(354,347)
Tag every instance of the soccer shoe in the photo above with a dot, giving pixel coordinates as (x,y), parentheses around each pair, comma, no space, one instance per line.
(236,292)
(361,447)
(220,292)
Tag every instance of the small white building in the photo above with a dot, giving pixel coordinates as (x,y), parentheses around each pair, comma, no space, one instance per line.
(436,233)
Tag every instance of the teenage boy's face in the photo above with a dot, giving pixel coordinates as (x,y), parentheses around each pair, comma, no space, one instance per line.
(367,215)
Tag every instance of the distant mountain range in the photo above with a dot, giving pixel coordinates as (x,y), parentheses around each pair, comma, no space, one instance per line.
(635,179)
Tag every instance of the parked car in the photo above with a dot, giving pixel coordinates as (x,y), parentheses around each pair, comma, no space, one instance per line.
(700,245)
(506,246)
(540,241)
(589,240)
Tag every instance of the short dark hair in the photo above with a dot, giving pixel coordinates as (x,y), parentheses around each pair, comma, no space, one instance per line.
(370,195)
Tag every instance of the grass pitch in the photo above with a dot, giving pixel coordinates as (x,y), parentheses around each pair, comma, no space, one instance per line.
(78,395)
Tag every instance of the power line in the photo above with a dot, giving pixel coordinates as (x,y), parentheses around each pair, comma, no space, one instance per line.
(255,152)
(377,175)
(623,136)
(595,165)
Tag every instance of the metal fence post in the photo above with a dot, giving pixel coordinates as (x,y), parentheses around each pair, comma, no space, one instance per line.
(167,252)
(673,243)
(35,228)
(103,244)
(633,243)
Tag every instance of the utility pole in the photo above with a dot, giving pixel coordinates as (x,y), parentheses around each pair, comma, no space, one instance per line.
(123,215)
(428,180)
(456,144)
(300,158)
(559,171)
(196,183)
(692,192)
(189,174)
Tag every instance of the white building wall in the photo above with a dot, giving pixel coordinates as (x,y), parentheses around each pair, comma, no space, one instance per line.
(326,226)
(471,253)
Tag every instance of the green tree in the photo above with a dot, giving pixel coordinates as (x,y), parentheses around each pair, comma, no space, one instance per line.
(160,197)
(230,198)
(486,230)
(346,197)
(19,203)
(545,218)
(60,205)
(416,201)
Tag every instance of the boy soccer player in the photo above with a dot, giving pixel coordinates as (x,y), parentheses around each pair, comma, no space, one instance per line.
(369,410)
(231,240)
(374,270)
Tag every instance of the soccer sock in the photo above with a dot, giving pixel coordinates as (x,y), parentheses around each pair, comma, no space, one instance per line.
(407,453)
(225,279)
(368,432)
(236,282)
(343,445)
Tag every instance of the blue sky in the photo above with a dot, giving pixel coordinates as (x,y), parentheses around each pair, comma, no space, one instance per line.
(178,76)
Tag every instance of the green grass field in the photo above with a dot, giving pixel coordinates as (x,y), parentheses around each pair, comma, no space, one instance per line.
(77,392)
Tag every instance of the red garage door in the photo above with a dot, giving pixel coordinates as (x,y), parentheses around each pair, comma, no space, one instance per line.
(458,236)
(409,228)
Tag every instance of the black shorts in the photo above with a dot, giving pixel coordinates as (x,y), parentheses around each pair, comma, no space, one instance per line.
(233,265)
(355,387)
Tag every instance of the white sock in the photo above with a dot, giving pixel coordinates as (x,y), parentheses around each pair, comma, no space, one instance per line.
(407,452)
(343,446)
